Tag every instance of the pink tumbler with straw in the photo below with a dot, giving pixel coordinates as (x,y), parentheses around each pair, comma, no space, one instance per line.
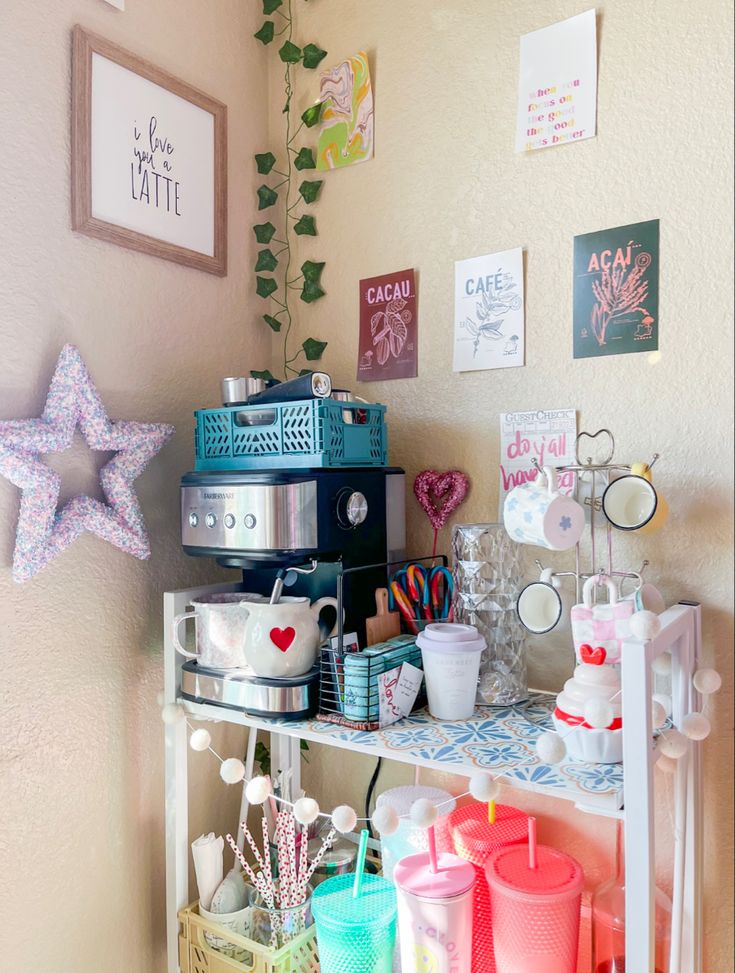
(535,894)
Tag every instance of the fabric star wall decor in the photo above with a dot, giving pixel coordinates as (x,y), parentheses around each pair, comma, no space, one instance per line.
(42,531)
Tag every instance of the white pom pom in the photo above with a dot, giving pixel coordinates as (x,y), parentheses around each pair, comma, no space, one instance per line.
(172,713)
(664,701)
(707,681)
(483,788)
(385,820)
(661,665)
(673,744)
(696,726)
(200,740)
(551,748)
(257,790)
(160,697)
(598,713)
(658,714)
(232,770)
(306,810)
(666,764)
(423,813)
(645,625)
(344,818)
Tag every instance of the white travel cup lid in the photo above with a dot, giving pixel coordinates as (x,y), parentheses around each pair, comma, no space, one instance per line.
(451,637)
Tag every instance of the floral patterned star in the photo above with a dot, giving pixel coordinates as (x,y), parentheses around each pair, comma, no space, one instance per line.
(42,531)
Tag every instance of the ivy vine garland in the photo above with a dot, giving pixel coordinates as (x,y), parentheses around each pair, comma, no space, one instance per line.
(297,160)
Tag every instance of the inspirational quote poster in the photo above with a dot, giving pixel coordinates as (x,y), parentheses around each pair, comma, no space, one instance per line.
(616,290)
(557,89)
(489,311)
(388,327)
(547,436)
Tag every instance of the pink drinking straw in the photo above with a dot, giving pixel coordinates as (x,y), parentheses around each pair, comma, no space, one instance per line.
(432,850)
(532,856)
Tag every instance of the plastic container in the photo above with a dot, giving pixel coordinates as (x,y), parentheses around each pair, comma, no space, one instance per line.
(451,657)
(410,839)
(535,905)
(435,913)
(308,433)
(355,934)
(275,928)
(237,922)
(475,840)
(197,956)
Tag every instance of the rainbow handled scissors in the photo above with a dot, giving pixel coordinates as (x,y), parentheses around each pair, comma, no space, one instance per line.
(407,593)
(435,605)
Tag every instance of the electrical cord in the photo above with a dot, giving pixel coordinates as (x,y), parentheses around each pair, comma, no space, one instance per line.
(371,788)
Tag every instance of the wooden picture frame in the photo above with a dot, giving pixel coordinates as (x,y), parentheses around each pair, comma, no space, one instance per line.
(162,153)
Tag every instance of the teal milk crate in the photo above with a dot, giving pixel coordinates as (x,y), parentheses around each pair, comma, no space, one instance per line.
(286,435)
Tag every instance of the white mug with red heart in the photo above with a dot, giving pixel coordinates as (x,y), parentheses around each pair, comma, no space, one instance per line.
(282,640)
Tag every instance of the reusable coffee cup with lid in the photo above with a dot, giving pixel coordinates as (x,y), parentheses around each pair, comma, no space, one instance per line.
(539,605)
(629,502)
(435,913)
(450,654)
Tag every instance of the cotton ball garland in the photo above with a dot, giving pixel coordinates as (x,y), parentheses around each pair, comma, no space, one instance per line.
(306,810)
(160,698)
(707,681)
(665,701)
(666,764)
(673,744)
(200,740)
(232,770)
(385,820)
(598,713)
(661,665)
(696,726)
(423,813)
(645,625)
(551,748)
(658,715)
(344,818)
(483,788)
(172,713)
(257,790)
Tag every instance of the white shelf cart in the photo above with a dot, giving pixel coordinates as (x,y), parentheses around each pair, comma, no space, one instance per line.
(624,791)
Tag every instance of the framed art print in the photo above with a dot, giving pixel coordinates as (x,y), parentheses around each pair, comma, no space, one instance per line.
(149,158)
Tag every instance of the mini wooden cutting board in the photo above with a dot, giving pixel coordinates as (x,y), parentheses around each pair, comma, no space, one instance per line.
(384,625)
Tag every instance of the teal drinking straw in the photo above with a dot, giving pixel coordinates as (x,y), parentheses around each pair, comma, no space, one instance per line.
(360,863)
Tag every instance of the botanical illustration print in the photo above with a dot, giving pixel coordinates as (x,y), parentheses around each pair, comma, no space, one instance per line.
(616,290)
(347,119)
(389,329)
(488,311)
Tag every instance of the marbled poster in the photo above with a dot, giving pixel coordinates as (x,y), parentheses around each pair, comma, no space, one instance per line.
(346,135)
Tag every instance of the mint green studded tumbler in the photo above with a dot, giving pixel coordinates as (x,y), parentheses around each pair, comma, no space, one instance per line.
(355,934)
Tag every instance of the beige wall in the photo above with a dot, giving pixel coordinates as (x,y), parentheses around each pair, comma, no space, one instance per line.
(446,184)
(81,751)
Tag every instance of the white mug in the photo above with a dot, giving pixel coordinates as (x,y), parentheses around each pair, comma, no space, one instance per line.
(533,514)
(281,641)
(539,605)
(219,620)
(629,502)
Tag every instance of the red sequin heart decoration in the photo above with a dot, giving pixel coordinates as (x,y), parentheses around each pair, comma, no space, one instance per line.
(282,637)
(593,657)
(439,494)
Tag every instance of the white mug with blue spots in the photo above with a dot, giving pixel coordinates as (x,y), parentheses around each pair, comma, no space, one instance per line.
(536,513)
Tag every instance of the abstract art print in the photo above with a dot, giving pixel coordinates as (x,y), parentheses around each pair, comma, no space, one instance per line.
(346,135)
(616,290)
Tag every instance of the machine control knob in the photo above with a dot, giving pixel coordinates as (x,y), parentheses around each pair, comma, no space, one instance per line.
(352,508)
(229,521)
(250,521)
(210,520)
(193,520)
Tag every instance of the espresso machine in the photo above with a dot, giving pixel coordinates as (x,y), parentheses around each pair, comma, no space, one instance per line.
(291,486)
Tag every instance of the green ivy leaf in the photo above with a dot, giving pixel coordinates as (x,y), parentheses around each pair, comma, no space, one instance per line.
(266,33)
(312,271)
(272,322)
(264,232)
(267,377)
(305,159)
(265,286)
(312,115)
(306,226)
(290,53)
(310,189)
(311,292)
(313,55)
(313,349)
(267,260)
(270,6)
(306,371)
(266,197)
(265,162)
